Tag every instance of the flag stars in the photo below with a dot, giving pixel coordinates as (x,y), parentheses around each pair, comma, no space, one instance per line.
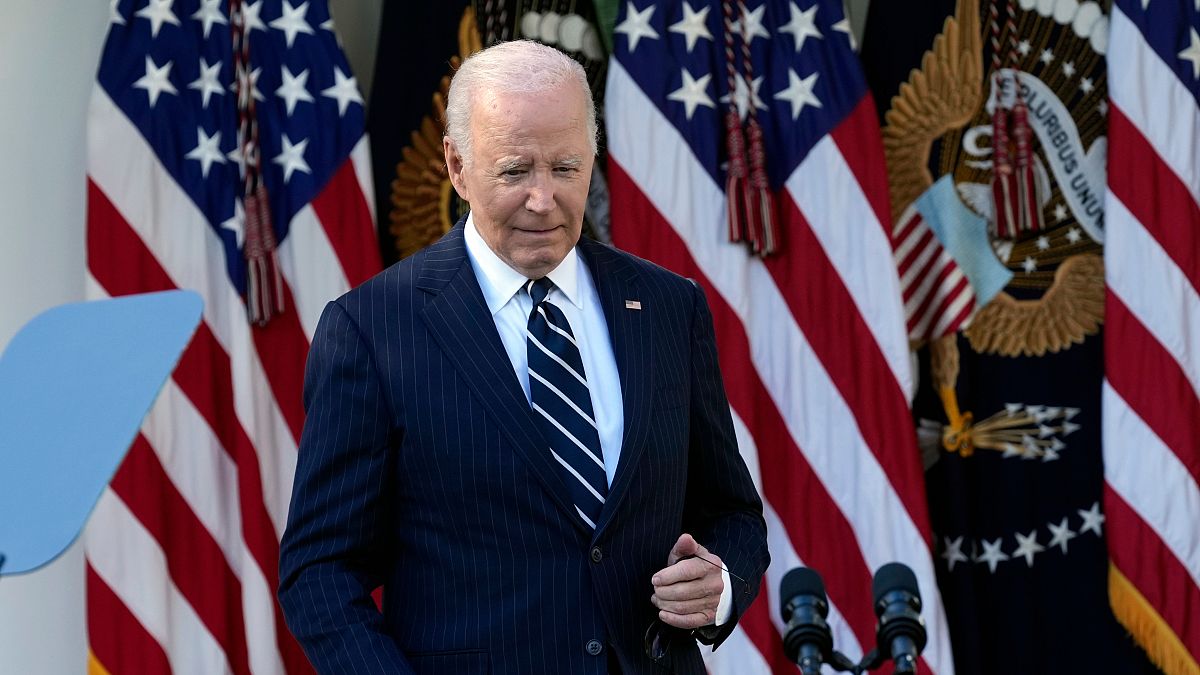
(952,553)
(1074,235)
(158,12)
(1043,244)
(1068,69)
(992,555)
(248,83)
(1102,108)
(637,25)
(1093,520)
(207,151)
(1046,57)
(1192,53)
(693,93)
(237,156)
(693,26)
(1060,535)
(1024,47)
(208,83)
(1029,265)
(251,18)
(744,95)
(1027,547)
(156,80)
(294,89)
(1086,85)
(802,25)
(237,223)
(210,14)
(752,25)
(843,26)
(292,158)
(114,13)
(345,90)
(292,23)
(799,93)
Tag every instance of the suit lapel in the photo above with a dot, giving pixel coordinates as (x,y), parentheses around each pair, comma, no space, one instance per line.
(631,333)
(458,318)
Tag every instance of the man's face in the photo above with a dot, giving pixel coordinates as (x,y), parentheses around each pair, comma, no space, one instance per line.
(528,180)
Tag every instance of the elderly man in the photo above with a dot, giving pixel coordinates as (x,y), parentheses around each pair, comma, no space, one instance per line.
(520,434)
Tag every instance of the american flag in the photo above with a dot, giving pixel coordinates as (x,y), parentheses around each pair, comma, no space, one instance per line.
(1151,392)
(938,297)
(182,548)
(812,340)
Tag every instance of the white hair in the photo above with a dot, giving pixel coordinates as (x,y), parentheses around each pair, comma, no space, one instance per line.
(521,67)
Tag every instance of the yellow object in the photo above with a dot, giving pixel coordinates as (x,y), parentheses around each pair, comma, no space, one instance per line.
(94,667)
(1148,627)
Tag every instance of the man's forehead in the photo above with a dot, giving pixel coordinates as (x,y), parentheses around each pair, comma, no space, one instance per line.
(491,97)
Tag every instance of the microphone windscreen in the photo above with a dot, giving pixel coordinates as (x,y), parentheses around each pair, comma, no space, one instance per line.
(800,581)
(894,576)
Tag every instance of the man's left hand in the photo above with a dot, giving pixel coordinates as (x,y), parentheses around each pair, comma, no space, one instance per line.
(688,590)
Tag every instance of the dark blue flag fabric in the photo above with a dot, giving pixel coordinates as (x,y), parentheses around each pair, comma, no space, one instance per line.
(995,121)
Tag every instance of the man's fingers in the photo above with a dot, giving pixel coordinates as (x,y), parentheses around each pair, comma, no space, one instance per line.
(684,570)
(688,621)
(688,590)
(684,546)
(688,606)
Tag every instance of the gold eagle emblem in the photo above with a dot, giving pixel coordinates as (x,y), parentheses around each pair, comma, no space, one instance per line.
(424,203)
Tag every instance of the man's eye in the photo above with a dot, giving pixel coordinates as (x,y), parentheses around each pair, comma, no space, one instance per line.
(514,173)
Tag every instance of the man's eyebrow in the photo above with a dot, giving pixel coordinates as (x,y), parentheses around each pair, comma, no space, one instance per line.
(510,163)
(569,162)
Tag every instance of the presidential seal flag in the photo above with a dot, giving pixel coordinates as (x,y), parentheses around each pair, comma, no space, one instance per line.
(744,153)
(226,155)
(995,132)
(1151,391)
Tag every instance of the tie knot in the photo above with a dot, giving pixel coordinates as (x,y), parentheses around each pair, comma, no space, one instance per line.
(538,289)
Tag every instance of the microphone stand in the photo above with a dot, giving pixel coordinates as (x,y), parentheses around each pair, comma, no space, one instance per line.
(870,661)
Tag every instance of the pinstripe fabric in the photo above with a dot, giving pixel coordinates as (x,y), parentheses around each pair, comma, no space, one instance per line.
(422,468)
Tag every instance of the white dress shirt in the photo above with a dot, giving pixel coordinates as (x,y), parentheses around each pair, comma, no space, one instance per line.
(575,294)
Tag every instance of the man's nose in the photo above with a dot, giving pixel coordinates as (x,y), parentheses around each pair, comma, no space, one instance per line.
(541,196)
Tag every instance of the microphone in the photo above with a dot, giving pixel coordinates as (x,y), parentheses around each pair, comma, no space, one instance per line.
(901,630)
(807,641)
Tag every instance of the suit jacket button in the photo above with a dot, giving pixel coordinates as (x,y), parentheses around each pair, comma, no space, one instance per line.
(594,647)
(597,554)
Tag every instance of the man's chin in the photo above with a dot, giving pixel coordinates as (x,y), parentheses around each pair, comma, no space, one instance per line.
(539,263)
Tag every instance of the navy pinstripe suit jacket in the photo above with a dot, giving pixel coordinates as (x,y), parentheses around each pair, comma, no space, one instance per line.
(421,468)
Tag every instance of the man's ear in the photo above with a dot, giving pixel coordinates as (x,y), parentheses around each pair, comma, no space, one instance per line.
(454,167)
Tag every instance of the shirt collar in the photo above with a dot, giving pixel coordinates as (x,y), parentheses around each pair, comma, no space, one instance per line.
(500,283)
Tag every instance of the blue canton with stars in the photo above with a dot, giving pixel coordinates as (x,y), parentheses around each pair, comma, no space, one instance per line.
(806,77)
(168,65)
(1172,29)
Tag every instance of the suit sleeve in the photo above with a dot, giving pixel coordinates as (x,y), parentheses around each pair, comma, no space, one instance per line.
(331,556)
(723,510)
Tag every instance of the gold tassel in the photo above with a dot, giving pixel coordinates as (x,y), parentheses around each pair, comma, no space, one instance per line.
(1147,626)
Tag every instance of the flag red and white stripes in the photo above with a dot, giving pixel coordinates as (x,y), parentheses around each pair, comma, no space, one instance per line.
(1151,390)
(938,297)
(182,550)
(812,341)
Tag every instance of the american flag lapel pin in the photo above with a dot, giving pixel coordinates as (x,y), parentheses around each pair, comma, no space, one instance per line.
(633,304)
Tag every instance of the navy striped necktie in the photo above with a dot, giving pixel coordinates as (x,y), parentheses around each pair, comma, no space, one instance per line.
(563,405)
